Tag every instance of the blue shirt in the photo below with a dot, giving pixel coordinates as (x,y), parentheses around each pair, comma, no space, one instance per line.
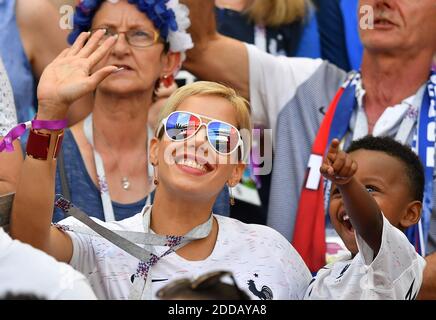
(350,10)
(338,27)
(86,196)
(332,33)
(16,62)
(297,39)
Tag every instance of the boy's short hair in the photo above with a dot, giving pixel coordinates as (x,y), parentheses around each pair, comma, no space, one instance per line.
(414,168)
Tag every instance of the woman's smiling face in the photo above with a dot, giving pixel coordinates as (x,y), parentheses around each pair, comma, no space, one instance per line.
(192,166)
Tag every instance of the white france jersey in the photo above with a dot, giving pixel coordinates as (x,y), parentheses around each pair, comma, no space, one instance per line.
(395,273)
(25,270)
(264,263)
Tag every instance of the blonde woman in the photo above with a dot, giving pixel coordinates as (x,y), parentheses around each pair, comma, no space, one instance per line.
(198,148)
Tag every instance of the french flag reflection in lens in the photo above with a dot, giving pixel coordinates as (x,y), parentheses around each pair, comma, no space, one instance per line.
(182,125)
(224,138)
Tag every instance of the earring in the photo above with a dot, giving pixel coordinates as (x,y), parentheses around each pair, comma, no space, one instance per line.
(155,180)
(167,80)
(232,198)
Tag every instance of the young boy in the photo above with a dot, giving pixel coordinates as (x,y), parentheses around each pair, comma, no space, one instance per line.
(376,194)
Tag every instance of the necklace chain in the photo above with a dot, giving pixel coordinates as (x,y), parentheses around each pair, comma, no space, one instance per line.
(125,182)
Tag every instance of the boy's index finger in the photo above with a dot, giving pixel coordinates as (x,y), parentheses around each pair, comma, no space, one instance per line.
(333,149)
(334,146)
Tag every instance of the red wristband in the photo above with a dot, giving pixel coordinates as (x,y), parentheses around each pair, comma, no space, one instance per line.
(41,145)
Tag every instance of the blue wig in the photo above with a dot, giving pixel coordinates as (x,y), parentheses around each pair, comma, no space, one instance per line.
(156,10)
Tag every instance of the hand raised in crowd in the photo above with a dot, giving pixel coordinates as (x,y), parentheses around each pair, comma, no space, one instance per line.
(338,166)
(70,76)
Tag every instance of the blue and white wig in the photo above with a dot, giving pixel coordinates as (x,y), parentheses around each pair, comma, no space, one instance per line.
(168,16)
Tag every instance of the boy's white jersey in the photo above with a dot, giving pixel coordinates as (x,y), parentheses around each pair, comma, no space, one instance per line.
(395,273)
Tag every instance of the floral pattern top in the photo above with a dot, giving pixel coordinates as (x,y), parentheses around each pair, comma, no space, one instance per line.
(8,114)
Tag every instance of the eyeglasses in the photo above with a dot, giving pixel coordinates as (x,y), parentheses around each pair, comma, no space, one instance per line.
(209,285)
(222,136)
(140,38)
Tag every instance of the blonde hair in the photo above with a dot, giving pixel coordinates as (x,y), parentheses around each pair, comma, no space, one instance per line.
(273,13)
(206,88)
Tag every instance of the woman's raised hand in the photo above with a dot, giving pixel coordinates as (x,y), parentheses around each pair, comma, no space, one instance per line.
(69,77)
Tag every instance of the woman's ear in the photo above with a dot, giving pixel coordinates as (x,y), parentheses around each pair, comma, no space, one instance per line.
(411,215)
(154,151)
(237,173)
(172,62)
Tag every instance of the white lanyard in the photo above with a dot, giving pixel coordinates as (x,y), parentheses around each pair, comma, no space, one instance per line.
(409,118)
(129,240)
(260,37)
(142,283)
(101,175)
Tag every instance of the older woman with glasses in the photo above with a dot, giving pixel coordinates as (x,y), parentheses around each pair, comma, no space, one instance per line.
(200,145)
(104,166)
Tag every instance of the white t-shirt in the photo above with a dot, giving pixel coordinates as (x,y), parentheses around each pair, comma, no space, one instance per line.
(274,81)
(263,263)
(395,273)
(26,270)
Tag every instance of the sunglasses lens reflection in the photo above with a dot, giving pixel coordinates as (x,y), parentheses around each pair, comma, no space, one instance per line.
(181,126)
(223,137)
